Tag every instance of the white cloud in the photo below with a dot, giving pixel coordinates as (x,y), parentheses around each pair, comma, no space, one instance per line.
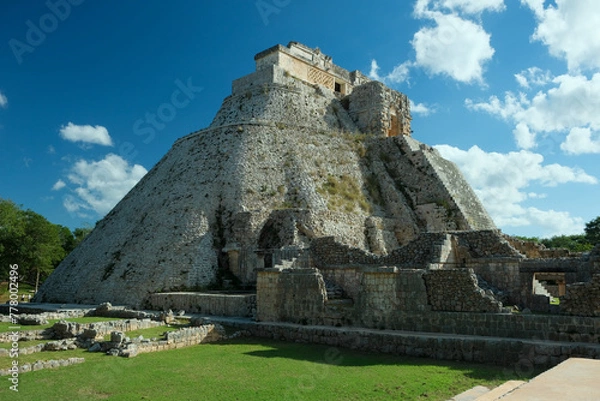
(58,185)
(524,137)
(572,102)
(502,183)
(533,76)
(455,47)
(86,133)
(580,141)
(101,184)
(423,7)
(570,30)
(374,73)
(399,74)
(3,100)
(421,109)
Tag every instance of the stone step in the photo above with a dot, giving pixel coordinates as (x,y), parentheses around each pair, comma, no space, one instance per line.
(501,391)
(471,394)
(539,289)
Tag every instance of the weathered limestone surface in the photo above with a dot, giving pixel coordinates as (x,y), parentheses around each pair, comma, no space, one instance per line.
(283,163)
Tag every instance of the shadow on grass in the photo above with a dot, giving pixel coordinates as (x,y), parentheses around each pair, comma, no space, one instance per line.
(343,357)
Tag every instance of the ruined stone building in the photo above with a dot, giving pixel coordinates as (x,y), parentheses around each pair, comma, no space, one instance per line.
(309,187)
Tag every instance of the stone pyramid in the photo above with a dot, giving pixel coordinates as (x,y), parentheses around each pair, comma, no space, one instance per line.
(301,149)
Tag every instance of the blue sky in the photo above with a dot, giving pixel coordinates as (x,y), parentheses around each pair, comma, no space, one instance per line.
(93,94)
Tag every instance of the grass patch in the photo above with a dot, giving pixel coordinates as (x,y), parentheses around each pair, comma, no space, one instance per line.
(23,344)
(152,332)
(254,369)
(24,289)
(357,143)
(45,356)
(344,194)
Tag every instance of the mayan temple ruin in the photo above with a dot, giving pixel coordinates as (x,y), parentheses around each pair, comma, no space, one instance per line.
(310,196)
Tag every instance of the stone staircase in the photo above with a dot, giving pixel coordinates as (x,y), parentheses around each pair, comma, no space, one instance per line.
(443,253)
(338,305)
(539,289)
(481,393)
(573,379)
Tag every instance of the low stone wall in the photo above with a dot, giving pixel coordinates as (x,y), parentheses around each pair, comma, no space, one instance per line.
(27,335)
(64,329)
(457,290)
(39,365)
(32,308)
(186,337)
(582,299)
(243,305)
(106,309)
(63,345)
(524,326)
(522,355)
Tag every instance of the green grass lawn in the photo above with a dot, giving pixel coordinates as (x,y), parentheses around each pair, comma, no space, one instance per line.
(22,344)
(252,369)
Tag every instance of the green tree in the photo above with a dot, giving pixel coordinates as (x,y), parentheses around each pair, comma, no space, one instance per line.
(42,248)
(574,243)
(79,235)
(67,239)
(592,231)
(12,230)
(32,242)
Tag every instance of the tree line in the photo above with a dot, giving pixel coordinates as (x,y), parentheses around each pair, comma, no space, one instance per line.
(31,241)
(575,243)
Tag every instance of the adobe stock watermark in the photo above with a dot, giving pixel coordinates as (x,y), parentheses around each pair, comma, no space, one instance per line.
(36,33)
(13,310)
(157,120)
(266,8)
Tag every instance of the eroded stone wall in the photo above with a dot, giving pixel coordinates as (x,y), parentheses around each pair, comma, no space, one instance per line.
(291,296)
(582,299)
(384,292)
(420,252)
(374,298)
(380,111)
(457,290)
(241,305)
